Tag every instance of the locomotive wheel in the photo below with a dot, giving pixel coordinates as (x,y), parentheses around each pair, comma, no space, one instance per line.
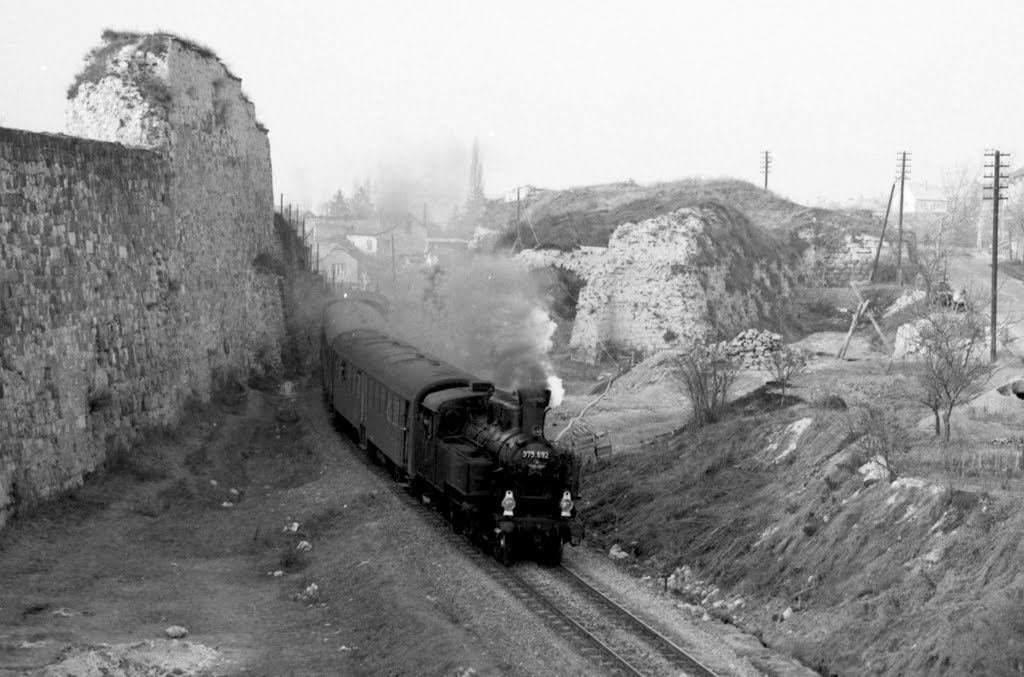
(503,550)
(455,518)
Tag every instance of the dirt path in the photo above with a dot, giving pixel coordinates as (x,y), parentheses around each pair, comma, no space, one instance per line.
(195,533)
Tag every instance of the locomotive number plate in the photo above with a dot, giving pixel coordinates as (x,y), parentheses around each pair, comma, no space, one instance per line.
(536,453)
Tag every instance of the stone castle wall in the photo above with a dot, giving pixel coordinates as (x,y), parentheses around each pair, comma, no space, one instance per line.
(842,263)
(126,274)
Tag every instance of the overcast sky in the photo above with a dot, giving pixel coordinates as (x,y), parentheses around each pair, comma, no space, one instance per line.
(572,93)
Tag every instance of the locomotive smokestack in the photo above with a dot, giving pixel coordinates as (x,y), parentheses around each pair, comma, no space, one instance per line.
(533,405)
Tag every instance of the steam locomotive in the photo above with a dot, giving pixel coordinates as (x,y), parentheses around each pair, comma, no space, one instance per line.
(480,453)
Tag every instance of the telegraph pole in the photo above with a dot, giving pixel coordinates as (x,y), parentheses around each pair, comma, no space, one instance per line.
(881,238)
(519,238)
(766,163)
(901,176)
(995,162)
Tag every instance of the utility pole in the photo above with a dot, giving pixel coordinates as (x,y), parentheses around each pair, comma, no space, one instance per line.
(394,265)
(901,168)
(766,162)
(519,238)
(881,238)
(995,162)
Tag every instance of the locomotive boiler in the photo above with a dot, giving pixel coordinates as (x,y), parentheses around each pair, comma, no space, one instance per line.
(478,452)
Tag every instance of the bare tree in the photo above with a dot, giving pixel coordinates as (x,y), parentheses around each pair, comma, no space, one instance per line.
(708,373)
(963,207)
(931,263)
(954,367)
(1012,215)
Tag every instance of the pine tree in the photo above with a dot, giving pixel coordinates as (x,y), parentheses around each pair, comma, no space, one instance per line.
(476,201)
(476,176)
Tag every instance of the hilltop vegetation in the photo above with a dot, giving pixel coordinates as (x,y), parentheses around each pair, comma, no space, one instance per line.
(587,215)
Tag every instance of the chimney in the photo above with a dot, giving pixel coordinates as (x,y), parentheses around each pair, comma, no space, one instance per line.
(533,406)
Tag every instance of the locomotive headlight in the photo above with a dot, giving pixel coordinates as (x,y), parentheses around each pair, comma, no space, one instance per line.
(566,504)
(508,504)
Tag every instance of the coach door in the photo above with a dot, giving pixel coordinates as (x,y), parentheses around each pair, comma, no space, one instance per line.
(361,406)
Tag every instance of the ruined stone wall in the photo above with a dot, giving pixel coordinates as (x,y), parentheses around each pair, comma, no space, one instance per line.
(126,274)
(668,281)
(838,264)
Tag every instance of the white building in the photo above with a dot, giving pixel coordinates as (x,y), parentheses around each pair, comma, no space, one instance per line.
(923,198)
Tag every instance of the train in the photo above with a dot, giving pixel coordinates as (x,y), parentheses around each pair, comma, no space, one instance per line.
(477,452)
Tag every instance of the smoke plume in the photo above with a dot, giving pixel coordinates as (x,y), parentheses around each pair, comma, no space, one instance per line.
(484,315)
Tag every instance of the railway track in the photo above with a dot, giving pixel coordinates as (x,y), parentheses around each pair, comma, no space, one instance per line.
(599,629)
(638,648)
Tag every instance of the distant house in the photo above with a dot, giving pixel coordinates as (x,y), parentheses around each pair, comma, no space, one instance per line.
(519,193)
(372,237)
(340,266)
(923,198)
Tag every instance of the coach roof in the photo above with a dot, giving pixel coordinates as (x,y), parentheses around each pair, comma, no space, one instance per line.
(403,368)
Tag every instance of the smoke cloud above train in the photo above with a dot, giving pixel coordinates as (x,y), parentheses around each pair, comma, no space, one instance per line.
(486,315)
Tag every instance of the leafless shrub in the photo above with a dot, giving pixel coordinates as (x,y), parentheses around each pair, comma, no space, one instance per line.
(784,364)
(708,373)
(881,433)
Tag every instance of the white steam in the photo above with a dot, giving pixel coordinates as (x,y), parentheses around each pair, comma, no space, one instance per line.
(485,316)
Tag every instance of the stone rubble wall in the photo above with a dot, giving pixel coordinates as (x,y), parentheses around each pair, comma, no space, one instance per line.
(753,348)
(664,283)
(127,283)
(848,261)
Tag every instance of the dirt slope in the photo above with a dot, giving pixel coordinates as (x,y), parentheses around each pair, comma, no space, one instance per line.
(854,576)
(91,583)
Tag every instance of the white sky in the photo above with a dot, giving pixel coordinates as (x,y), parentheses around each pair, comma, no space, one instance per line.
(571,93)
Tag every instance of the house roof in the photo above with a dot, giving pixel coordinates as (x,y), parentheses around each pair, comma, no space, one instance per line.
(926,191)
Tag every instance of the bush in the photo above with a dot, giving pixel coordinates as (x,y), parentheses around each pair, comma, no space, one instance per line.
(785,363)
(826,399)
(881,433)
(708,373)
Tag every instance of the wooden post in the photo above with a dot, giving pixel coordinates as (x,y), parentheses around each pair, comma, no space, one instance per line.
(995,253)
(861,307)
(878,250)
(899,244)
(871,316)
(394,268)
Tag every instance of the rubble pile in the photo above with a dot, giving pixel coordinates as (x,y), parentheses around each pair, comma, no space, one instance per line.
(753,348)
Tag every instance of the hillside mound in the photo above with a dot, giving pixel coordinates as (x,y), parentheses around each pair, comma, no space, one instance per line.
(697,273)
(588,215)
(768,520)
